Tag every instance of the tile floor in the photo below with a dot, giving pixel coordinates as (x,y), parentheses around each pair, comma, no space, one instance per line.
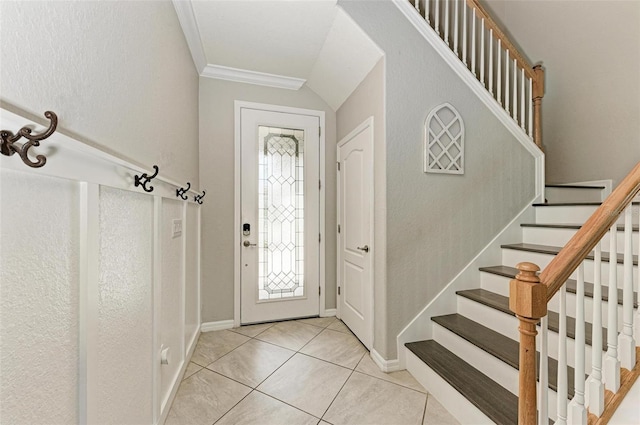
(309,371)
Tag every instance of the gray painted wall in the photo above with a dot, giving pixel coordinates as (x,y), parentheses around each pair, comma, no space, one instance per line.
(118,74)
(368,101)
(217,178)
(591,109)
(435,223)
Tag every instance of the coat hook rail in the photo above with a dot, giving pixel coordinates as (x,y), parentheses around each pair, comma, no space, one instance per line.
(7,140)
(198,198)
(182,192)
(144,179)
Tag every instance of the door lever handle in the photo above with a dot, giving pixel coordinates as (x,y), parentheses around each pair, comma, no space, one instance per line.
(363,248)
(248,244)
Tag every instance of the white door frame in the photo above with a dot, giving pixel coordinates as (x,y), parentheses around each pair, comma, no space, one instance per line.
(368,123)
(238,106)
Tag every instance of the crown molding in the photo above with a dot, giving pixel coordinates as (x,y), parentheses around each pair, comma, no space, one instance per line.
(252,77)
(187,18)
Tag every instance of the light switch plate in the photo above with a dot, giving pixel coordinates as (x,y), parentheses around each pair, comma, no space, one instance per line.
(177,228)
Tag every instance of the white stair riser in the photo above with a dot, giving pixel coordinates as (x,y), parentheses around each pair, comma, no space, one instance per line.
(570,194)
(508,326)
(461,408)
(567,214)
(560,237)
(496,369)
(500,285)
(511,257)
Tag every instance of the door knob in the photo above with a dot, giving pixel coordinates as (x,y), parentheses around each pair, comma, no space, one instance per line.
(248,244)
(364,248)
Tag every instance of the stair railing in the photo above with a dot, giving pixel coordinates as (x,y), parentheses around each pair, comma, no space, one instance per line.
(470,32)
(609,378)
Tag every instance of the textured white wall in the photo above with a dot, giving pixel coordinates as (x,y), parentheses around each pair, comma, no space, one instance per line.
(117,73)
(125,308)
(39,225)
(591,108)
(171,307)
(217,178)
(435,223)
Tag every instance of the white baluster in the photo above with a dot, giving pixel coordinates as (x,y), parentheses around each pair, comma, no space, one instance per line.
(543,402)
(577,411)
(611,363)
(437,16)
(515,90)
(464,34)
(530,103)
(416,3)
(563,388)
(627,342)
(637,319)
(522,98)
(482,52)
(473,44)
(446,21)
(491,61)
(506,81)
(456,27)
(596,387)
(499,76)
(427,3)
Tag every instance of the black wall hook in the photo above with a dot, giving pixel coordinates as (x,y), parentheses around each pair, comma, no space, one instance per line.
(182,193)
(198,198)
(7,140)
(144,179)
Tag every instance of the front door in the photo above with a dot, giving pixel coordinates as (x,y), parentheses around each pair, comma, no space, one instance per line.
(355,240)
(280,204)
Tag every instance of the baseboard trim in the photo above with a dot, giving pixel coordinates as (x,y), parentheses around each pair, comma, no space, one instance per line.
(328,312)
(216,326)
(392,365)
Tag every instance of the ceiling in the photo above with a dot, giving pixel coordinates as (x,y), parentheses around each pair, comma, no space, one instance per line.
(283,43)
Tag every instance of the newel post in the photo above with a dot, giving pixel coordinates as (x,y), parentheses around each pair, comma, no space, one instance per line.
(528,300)
(538,94)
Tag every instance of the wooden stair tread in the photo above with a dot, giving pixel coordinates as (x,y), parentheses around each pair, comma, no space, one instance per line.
(572,226)
(499,346)
(500,405)
(501,303)
(554,250)
(572,285)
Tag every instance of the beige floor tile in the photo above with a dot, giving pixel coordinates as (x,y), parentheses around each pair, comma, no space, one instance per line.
(321,322)
(213,345)
(260,409)
(191,369)
(306,383)
(252,362)
(436,414)
(367,400)
(252,330)
(204,398)
(339,326)
(402,377)
(291,335)
(336,347)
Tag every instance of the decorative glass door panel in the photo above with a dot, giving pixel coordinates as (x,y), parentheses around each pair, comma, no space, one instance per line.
(280,213)
(280,197)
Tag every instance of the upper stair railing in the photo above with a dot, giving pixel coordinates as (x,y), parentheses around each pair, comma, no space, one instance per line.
(611,374)
(466,27)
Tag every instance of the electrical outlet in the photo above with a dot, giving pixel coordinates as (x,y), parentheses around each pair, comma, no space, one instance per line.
(177,228)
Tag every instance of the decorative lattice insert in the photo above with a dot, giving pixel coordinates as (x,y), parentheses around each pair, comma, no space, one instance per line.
(444,141)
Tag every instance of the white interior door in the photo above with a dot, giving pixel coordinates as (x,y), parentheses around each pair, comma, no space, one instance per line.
(280,205)
(355,240)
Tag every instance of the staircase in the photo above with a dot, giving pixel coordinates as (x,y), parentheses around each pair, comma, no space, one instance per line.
(472,363)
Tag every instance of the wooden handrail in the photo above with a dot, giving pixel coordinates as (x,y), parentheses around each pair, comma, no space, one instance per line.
(506,43)
(585,239)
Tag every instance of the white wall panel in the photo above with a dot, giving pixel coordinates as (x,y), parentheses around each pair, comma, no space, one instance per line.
(125,310)
(192,265)
(38,299)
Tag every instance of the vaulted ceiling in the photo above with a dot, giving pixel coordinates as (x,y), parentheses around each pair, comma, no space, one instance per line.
(282,43)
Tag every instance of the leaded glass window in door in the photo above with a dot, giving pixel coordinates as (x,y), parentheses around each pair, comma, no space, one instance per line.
(280,213)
